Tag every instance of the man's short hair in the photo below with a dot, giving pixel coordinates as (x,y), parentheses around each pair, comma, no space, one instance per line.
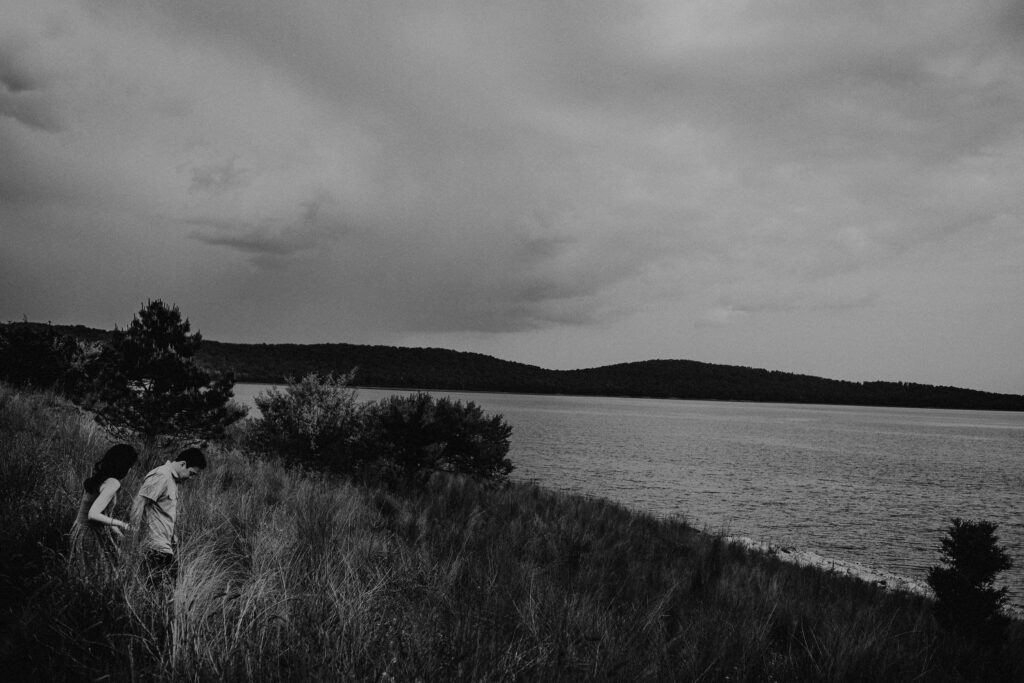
(193,457)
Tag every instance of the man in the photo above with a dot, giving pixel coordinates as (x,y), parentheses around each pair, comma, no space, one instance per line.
(155,511)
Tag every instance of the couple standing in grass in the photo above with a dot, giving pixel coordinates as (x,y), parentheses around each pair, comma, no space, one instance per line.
(96,536)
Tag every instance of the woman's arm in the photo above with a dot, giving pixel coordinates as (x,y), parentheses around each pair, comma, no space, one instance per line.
(107,491)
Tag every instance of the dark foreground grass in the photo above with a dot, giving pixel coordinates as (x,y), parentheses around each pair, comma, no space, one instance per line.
(288,576)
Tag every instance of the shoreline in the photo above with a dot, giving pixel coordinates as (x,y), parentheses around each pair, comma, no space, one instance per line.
(889,581)
(886,579)
(401,390)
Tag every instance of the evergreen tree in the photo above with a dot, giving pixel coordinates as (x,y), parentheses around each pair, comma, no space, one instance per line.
(965,597)
(150,385)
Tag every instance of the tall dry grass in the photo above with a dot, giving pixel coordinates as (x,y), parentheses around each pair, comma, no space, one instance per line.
(295,576)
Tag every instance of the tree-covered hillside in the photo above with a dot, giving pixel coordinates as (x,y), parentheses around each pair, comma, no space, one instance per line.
(443,369)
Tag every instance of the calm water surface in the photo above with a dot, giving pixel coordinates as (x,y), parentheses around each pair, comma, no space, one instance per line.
(871,485)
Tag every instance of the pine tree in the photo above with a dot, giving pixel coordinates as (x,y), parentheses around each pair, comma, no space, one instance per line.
(965,597)
(151,387)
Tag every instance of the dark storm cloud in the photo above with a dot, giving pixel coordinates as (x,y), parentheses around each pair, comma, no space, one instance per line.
(22,94)
(15,77)
(260,243)
(315,226)
(218,177)
(596,178)
(30,109)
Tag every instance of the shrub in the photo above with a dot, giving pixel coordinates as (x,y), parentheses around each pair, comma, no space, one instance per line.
(417,434)
(149,383)
(966,599)
(313,421)
(35,355)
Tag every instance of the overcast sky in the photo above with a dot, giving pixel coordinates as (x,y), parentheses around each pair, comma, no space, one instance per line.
(828,187)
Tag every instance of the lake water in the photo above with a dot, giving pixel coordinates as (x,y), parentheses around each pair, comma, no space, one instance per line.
(876,486)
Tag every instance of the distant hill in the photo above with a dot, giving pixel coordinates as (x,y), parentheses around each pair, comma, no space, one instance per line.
(443,369)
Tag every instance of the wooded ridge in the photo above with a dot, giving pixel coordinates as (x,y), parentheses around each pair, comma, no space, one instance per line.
(444,369)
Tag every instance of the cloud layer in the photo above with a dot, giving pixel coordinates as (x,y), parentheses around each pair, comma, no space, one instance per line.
(824,187)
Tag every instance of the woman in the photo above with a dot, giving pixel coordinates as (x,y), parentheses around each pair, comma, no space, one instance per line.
(95,534)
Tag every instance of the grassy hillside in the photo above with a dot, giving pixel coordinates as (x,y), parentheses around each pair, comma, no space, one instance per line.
(292,576)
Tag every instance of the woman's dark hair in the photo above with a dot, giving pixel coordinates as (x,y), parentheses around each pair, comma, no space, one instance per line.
(115,463)
(192,457)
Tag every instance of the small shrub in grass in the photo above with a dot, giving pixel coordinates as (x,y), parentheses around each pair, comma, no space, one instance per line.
(965,597)
(313,421)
